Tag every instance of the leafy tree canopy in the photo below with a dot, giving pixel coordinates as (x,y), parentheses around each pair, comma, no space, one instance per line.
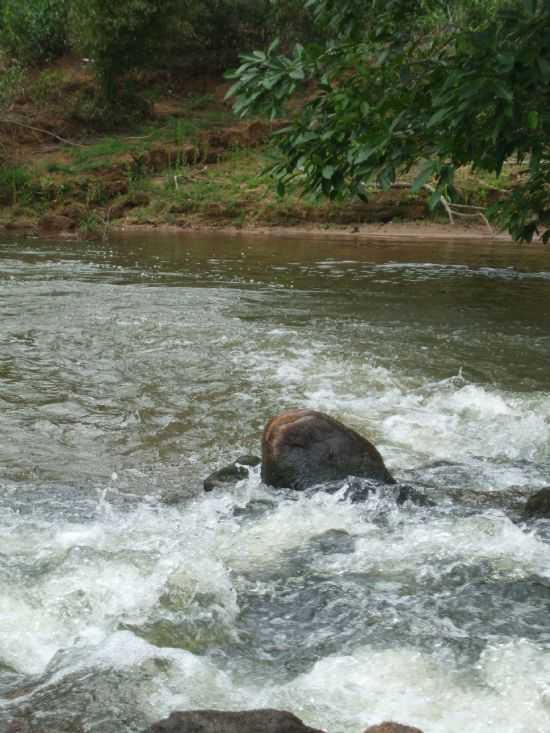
(120,36)
(137,34)
(402,82)
(34,30)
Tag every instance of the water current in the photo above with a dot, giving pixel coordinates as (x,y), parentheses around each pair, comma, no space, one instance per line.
(131,369)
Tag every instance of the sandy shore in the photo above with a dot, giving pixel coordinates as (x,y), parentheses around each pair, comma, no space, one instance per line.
(402,231)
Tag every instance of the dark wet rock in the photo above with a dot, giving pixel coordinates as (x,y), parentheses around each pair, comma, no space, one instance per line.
(248,460)
(178,495)
(236,471)
(216,721)
(360,490)
(254,509)
(509,500)
(390,727)
(538,505)
(409,493)
(301,448)
(333,541)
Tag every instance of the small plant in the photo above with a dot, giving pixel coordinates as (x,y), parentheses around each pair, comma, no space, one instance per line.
(48,87)
(100,113)
(95,226)
(12,80)
(15,184)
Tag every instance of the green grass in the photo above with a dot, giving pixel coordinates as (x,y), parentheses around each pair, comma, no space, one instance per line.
(237,190)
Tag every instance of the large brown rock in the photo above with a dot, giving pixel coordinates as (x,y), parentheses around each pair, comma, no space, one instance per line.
(216,721)
(301,448)
(389,727)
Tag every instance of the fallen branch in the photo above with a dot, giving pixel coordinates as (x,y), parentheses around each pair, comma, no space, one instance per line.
(465,210)
(3,121)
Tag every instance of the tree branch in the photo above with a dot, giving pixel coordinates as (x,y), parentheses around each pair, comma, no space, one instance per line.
(5,121)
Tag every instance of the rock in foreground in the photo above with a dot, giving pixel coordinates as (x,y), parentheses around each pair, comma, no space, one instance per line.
(301,448)
(389,727)
(216,721)
(538,505)
(236,471)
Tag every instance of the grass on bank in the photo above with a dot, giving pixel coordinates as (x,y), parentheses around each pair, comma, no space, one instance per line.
(167,170)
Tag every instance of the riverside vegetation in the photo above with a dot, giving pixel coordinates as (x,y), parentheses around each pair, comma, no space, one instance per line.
(121,118)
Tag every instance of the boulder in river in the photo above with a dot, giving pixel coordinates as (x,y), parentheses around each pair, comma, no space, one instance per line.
(538,505)
(232,473)
(390,727)
(302,448)
(217,721)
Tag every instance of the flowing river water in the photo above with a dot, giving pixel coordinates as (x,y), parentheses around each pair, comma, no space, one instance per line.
(130,370)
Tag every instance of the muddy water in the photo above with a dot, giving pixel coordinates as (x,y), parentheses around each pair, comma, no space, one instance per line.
(129,370)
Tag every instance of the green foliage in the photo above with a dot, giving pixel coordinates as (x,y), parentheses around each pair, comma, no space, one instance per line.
(15,184)
(120,36)
(34,30)
(403,82)
(137,34)
(100,111)
(11,81)
(48,86)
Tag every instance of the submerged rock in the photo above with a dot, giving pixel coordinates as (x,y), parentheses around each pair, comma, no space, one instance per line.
(358,490)
(390,727)
(236,471)
(508,500)
(301,448)
(217,721)
(538,505)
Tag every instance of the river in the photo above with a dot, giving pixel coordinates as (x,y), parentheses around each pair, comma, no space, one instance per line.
(131,369)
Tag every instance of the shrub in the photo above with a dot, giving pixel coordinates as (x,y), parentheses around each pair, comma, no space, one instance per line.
(119,36)
(34,30)
(15,184)
(11,82)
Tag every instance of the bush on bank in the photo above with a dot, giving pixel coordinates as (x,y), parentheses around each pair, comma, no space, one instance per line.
(138,34)
(34,31)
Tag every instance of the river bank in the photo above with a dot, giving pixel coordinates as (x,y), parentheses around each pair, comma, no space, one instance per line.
(395,232)
(188,165)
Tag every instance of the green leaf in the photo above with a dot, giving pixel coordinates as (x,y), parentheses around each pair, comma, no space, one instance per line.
(275,44)
(435,198)
(544,66)
(438,117)
(363,155)
(306,137)
(298,74)
(328,172)
(533,120)
(424,176)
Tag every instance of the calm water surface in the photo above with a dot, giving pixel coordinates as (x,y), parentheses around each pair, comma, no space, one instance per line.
(130,370)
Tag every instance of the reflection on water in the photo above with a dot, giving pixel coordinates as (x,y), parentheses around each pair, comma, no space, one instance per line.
(136,367)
